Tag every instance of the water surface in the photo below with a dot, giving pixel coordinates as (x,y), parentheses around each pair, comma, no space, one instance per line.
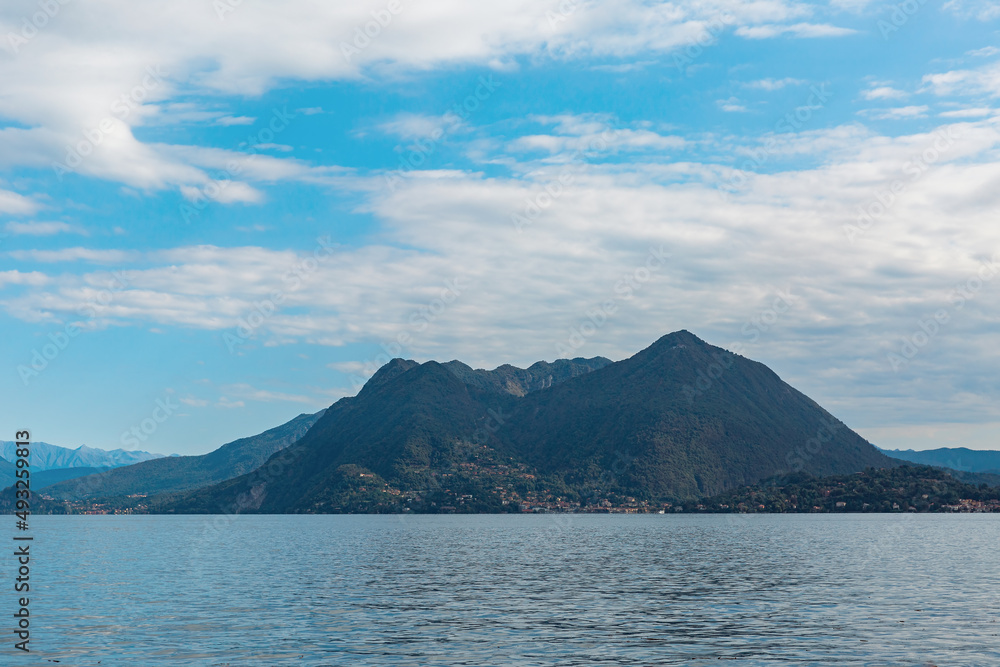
(514,590)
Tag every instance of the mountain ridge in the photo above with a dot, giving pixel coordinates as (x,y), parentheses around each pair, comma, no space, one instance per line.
(679,419)
(45,456)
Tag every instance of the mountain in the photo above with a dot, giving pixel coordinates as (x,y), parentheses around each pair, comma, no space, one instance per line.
(8,473)
(679,420)
(43,478)
(956,458)
(179,473)
(49,457)
(518,382)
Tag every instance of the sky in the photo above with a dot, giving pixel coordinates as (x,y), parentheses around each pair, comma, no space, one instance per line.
(218,214)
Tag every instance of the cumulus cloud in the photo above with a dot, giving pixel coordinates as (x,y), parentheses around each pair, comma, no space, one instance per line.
(80,95)
(460,277)
(981,81)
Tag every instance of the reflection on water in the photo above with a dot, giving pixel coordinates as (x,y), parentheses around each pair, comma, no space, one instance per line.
(516,590)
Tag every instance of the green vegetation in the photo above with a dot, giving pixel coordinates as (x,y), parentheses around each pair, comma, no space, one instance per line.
(677,421)
(902,489)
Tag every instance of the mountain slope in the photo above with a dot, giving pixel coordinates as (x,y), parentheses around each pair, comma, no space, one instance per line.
(412,424)
(8,473)
(517,381)
(679,420)
(409,423)
(180,473)
(49,457)
(644,419)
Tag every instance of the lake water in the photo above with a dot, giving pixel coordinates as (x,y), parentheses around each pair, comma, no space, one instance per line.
(513,590)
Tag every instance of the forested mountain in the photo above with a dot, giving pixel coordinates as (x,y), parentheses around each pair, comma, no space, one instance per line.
(679,420)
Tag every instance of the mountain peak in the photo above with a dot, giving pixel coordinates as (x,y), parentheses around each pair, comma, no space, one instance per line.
(682,337)
(389,371)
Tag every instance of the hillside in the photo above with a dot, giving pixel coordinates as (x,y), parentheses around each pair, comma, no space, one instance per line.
(180,473)
(643,419)
(8,473)
(442,437)
(907,488)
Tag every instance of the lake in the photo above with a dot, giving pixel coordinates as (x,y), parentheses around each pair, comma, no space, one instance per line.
(557,589)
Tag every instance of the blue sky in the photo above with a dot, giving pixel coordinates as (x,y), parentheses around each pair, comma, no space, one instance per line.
(215,216)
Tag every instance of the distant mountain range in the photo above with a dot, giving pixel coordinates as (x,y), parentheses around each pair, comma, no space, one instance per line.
(51,464)
(681,419)
(180,473)
(678,421)
(956,458)
(49,457)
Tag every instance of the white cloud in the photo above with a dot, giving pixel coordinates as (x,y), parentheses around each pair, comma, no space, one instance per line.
(897,113)
(622,68)
(414,126)
(70,90)
(732,105)
(981,10)
(274,147)
(799,30)
(15,204)
(250,393)
(235,120)
(774,84)
(454,232)
(577,136)
(974,112)
(36,228)
(34,278)
(75,255)
(982,81)
(194,402)
(984,52)
(350,368)
(884,93)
